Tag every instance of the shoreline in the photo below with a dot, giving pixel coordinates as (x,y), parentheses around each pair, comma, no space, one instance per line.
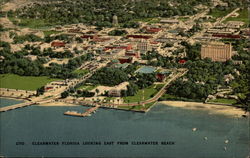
(56,104)
(210,108)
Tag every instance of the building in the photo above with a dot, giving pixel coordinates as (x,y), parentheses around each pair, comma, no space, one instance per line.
(123,60)
(143,46)
(133,54)
(169,21)
(115,20)
(57,44)
(217,51)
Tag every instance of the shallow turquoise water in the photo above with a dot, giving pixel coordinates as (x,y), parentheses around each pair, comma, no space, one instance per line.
(162,123)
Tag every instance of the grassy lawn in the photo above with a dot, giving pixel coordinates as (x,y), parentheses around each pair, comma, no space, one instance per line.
(48,33)
(32,23)
(218,13)
(81,72)
(224,101)
(243,16)
(23,82)
(183,18)
(148,92)
(138,107)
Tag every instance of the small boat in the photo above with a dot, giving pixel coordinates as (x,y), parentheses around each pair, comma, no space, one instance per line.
(226,141)
(194,129)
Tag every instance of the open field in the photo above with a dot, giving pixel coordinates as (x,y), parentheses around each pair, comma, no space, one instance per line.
(50,32)
(219,13)
(23,82)
(243,16)
(148,93)
(32,23)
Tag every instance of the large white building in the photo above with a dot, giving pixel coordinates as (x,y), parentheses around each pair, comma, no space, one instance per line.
(216,51)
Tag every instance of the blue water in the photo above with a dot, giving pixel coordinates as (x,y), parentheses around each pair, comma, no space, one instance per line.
(7,102)
(146,70)
(162,123)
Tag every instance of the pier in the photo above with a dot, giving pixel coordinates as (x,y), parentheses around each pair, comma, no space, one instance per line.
(88,112)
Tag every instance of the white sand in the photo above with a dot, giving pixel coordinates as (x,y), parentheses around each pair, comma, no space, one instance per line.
(57,104)
(210,108)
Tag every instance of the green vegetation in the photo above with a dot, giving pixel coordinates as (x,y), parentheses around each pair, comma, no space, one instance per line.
(183,18)
(81,72)
(168,97)
(17,63)
(243,16)
(138,107)
(28,37)
(117,33)
(148,93)
(219,12)
(23,82)
(32,23)
(100,13)
(48,33)
(108,76)
(224,101)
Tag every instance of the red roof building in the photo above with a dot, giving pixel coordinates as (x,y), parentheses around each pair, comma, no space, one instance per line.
(87,36)
(125,60)
(227,36)
(58,44)
(182,61)
(153,30)
(128,47)
(160,77)
(133,54)
(139,36)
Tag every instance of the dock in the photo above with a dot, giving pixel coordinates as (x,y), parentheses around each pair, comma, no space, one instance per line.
(88,112)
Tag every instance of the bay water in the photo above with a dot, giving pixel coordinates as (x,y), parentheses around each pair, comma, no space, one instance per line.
(24,130)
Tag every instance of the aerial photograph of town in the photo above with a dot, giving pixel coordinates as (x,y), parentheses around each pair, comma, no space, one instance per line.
(125,78)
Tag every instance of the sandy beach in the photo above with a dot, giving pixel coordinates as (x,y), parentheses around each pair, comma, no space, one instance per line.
(57,104)
(210,108)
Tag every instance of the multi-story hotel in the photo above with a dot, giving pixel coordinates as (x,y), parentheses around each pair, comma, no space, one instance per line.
(143,46)
(217,51)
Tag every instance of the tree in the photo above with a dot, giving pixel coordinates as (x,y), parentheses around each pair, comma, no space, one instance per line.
(97,91)
(64,94)
(40,91)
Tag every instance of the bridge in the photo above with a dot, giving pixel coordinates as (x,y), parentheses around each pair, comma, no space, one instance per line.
(21,105)
(16,106)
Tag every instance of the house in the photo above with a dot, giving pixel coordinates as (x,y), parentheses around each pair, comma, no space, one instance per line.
(182,61)
(57,44)
(139,36)
(162,75)
(123,60)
